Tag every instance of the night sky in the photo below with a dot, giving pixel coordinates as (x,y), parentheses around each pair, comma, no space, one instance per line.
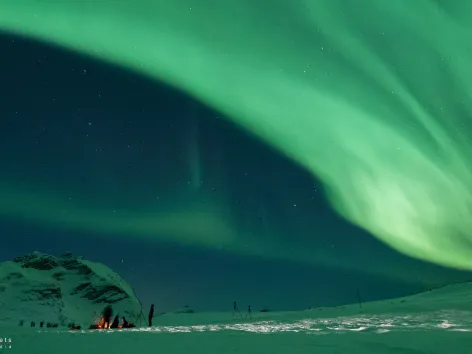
(83,137)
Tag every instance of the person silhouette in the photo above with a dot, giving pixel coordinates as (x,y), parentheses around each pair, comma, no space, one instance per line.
(235,309)
(107,313)
(124,323)
(249,312)
(116,322)
(151,314)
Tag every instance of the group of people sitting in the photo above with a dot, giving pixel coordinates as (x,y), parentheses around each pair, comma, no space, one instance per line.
(103,323)
(105,320)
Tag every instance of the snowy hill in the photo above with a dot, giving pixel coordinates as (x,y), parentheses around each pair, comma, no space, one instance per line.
(449,297)
(433,322)
(455,297)
(40,287)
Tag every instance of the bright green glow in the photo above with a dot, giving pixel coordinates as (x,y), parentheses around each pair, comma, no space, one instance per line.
(372,98)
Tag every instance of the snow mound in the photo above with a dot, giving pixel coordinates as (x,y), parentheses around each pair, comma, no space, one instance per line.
(40,287)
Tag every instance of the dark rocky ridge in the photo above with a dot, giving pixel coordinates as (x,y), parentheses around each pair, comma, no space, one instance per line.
(42,262)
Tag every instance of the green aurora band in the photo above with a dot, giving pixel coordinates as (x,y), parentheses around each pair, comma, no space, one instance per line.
(372,97)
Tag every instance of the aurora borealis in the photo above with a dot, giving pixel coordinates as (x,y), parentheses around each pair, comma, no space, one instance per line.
(368,99)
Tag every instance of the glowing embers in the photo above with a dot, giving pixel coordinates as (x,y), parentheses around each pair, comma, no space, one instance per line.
(102,324)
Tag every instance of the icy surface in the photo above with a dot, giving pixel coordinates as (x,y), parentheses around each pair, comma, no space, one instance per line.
(438,321)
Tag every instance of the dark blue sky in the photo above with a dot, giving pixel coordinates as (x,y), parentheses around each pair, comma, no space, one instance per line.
(110,139)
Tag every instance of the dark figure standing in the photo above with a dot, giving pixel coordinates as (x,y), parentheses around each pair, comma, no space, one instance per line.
(116,322)
(235,309)
(249,312)
(124,323)
(107,313)
(151,314)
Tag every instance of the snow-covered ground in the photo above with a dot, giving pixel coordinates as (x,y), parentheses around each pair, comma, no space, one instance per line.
(438,321)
